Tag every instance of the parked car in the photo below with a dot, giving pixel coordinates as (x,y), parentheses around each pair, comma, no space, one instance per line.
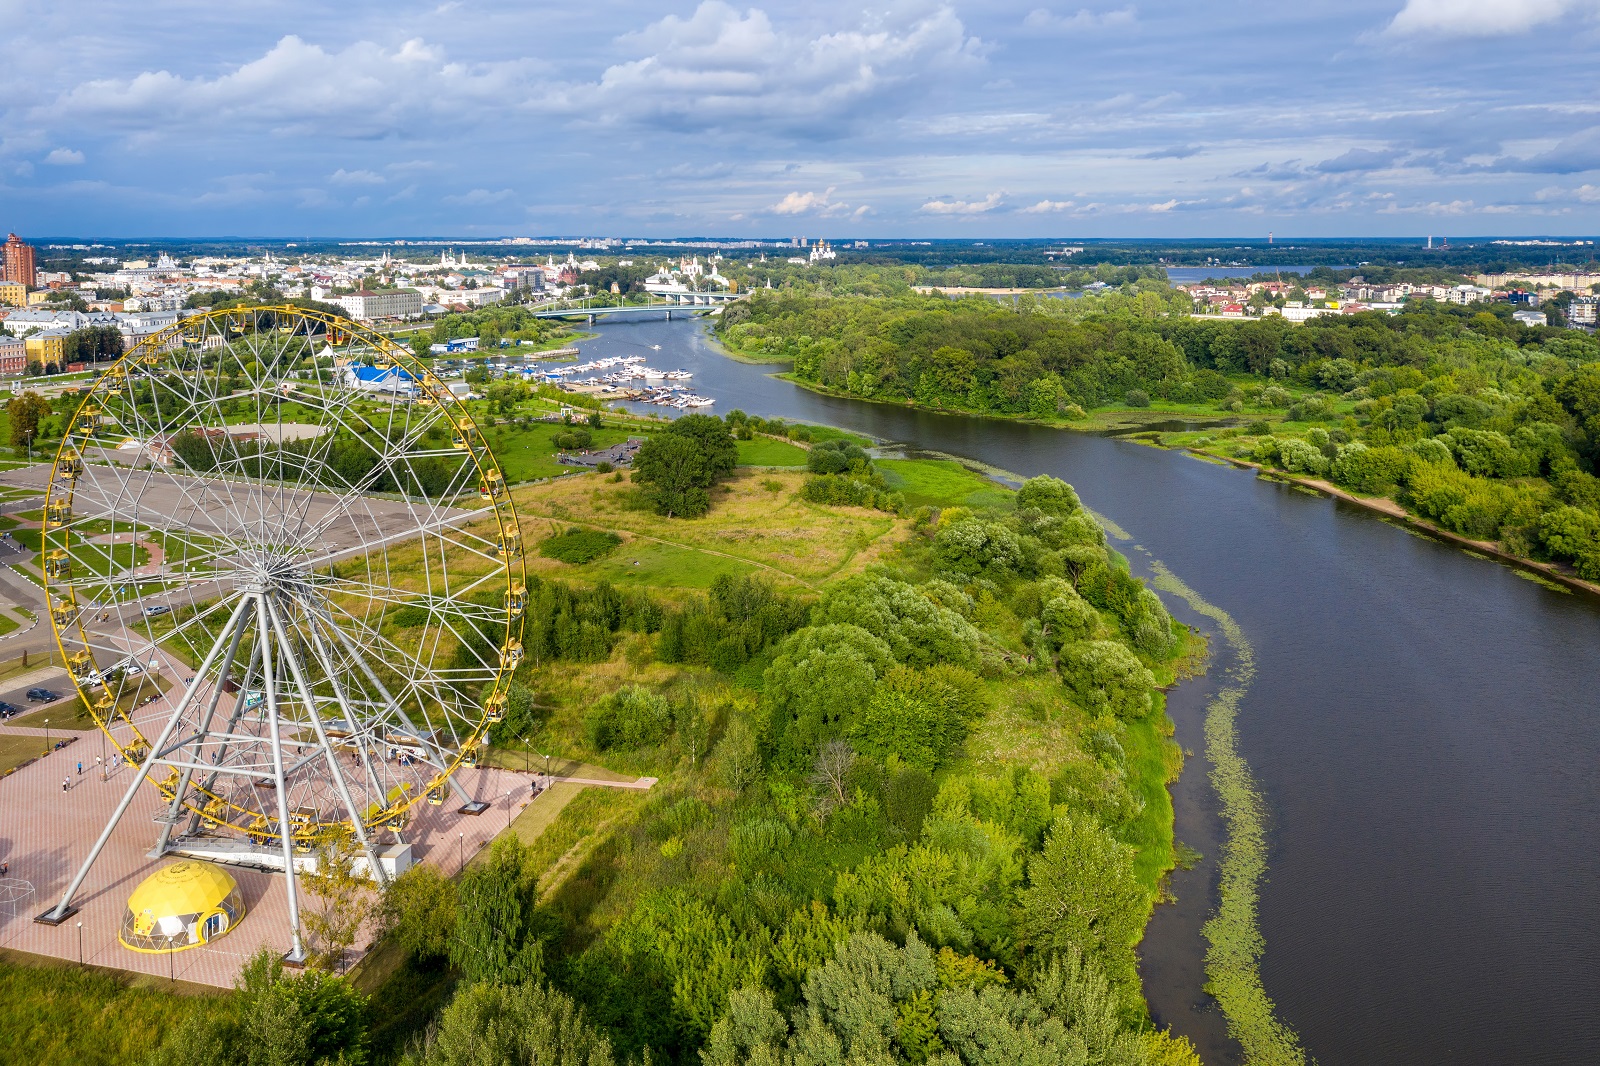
(155,609)
(42,695)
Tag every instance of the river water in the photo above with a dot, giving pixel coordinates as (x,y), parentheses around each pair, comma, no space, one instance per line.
(1423,727)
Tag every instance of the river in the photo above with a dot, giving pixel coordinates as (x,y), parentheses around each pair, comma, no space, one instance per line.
(1423,727)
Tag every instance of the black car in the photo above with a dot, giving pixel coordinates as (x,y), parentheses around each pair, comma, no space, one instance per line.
(42,695)
(9,710)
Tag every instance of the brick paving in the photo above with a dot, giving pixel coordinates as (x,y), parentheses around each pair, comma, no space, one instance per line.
(45,834)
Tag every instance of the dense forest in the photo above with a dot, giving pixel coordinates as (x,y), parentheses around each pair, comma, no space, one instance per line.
(1487,427)
(844,860)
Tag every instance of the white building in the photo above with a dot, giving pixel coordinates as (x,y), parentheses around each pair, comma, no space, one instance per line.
(1530,318)
(385,303)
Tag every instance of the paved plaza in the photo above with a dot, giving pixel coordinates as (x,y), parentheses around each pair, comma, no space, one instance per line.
(45,834)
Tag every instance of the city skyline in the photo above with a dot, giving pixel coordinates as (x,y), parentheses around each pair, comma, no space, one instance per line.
(942,120)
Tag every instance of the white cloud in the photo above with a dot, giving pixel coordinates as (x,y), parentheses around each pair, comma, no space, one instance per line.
(721,67)
(800,203)
(1045,20)
(814,203)
(1483,18)
(1045,207)
(64,157)
(366,90)
(963,207)
(480,197)
(355,177)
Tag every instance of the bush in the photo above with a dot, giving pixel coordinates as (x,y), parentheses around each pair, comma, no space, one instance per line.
(973,546)
(1104,676)
(632,717)
(578,546)
(1375,471)
(1138,398)
(574,439)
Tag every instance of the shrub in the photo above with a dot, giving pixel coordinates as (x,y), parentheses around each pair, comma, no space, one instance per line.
(631,717)
(578,546)
(1138,398)
(972,546)
(573,439)
(1375,471)
(1105,676)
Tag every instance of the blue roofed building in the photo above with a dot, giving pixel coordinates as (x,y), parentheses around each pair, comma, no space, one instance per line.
(379,379)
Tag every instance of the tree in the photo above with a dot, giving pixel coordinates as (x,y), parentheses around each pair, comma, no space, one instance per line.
(344,902)
(1048,494)
(25,411)
(310,1018)
(677,475)
(832,771)
(495,1023)
(419,912)
(493,939)
(681,463)
(1082,894)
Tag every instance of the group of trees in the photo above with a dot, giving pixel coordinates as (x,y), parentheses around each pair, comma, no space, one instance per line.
(842,474)
(838,886)
(1488,427)
(679,464)
(824,877)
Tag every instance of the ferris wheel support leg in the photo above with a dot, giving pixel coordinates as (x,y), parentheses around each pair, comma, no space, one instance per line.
(429,751)
(205,727)
(61,911)
(297,954)
(356,731)
(233,723)
(373,868)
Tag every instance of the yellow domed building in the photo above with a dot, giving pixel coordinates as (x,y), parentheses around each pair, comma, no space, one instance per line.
(181,906)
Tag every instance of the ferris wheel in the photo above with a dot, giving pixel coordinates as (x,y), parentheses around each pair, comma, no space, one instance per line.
(285,572)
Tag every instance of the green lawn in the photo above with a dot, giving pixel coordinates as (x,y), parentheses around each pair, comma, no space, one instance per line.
(646,563)
(58,1012)
(941,483)
(764,451)
(526,454)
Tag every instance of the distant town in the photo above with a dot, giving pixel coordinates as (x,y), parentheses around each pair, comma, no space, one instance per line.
(107,300)
(61,321)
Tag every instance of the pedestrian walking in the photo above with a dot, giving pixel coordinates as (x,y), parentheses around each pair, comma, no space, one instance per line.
(80,767)
(66,783)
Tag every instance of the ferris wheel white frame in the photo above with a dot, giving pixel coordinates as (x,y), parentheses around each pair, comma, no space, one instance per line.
(258,521)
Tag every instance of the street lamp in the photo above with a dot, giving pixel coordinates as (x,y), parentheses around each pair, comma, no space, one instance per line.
(80,943)
(47,736)
(461,850)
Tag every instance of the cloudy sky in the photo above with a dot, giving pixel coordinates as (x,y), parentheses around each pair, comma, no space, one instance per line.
(999,118)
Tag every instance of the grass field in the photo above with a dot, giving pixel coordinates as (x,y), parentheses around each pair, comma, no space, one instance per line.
(647,563)
(764,451)
(53,1012)
(16,749)
(750,528)
(527,454)
(941,483)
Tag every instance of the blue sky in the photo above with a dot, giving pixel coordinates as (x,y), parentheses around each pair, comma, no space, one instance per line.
(1005,119)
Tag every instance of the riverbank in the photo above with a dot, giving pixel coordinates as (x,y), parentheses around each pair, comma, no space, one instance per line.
(1392,509)
(1143,421)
